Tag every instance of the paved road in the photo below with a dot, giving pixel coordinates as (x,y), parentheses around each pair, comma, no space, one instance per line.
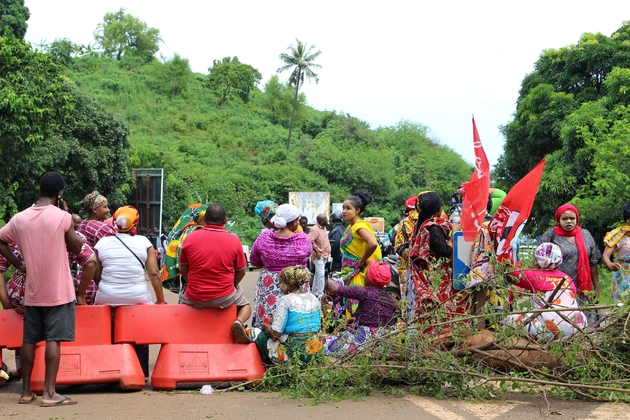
(107,402)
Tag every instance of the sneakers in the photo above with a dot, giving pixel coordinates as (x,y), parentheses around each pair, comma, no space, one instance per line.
(240,335)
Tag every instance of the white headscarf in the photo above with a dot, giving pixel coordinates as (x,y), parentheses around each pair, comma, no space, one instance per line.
(548,256)
(285,213)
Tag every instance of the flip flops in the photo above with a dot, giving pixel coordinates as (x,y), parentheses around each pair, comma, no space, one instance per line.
(28,400)
(240,335)
(60,403)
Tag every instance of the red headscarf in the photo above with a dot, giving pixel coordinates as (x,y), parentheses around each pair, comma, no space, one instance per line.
(583,270)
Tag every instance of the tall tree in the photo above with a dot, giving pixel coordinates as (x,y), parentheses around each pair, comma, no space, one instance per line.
(13,15)
(122,34)
(301,60)
(231,77)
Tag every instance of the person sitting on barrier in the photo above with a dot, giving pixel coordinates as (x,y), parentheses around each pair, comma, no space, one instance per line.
(559,293)
(44,229)
(273,251)
(376,308)
(213,264)
(291,331)
(122,261)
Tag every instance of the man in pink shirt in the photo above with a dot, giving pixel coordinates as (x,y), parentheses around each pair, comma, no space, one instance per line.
(321,252)
(212,262)
(42,233)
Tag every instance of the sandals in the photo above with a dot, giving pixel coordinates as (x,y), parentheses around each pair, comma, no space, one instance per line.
(28,400)
(60,403)
(240,335)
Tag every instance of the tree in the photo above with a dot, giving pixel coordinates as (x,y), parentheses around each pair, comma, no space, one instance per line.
(174,75)
(13,15)
(33,103)
(121,34)
(231,77)
(277,99)
(301,60)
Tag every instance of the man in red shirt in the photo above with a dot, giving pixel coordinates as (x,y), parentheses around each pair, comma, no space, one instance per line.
(212,262)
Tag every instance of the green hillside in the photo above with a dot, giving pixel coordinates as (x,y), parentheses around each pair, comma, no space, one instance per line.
(235,154)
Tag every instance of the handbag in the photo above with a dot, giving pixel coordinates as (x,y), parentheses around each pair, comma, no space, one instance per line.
(133,253)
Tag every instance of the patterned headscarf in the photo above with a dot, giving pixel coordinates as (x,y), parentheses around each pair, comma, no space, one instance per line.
(265,210)
(285,214)
(548,256)
(126,219)
(92,201)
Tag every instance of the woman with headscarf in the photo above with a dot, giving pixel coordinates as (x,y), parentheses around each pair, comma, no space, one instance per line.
(552,289)
(93,228)
(580,254)
(358,245)
(430,257)
(265,210)
(122,261)
(273,251)
(401,241)
(291,331)
(618,243)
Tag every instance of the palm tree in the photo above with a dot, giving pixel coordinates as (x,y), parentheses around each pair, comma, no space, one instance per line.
(300,59)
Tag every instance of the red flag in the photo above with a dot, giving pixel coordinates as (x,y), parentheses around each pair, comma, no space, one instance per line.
(514,211)
(476,191)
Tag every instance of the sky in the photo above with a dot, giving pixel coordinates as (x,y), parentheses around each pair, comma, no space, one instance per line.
(432,63)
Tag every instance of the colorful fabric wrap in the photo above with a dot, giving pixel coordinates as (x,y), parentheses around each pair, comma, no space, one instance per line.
(265,210)
(92,201)
(614,236)
(191,220)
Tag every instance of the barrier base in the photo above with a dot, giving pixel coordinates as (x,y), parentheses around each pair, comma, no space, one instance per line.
(96,364)
(181,363)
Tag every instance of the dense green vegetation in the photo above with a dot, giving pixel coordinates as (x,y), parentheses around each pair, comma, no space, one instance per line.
(574,109)
(219,136)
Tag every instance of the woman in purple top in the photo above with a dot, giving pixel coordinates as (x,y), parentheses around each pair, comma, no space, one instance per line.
(376,306)
(273,251)
(376,309)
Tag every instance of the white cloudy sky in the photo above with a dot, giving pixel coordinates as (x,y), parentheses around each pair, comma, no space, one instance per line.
(435,63)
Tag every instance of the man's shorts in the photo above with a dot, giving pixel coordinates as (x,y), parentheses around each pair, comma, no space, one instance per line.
(235,298)
(49,323)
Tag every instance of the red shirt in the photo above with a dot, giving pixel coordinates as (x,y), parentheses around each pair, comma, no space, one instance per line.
(213,256)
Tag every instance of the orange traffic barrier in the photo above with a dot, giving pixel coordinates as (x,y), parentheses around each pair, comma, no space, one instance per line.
(92,358)
(197,344)
(11,330)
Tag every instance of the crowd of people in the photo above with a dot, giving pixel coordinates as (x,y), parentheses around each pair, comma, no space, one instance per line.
(113,265)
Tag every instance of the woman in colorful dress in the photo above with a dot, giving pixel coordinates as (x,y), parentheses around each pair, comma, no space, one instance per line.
(559,293)
(618,243)
(430,258)
(358,245)
(92,229)
(273,251)
(291,331)
(580,255)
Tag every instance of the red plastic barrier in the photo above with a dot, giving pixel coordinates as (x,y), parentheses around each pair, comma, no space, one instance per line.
(11,330)
(173,324)
(197,344)
(92,358)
